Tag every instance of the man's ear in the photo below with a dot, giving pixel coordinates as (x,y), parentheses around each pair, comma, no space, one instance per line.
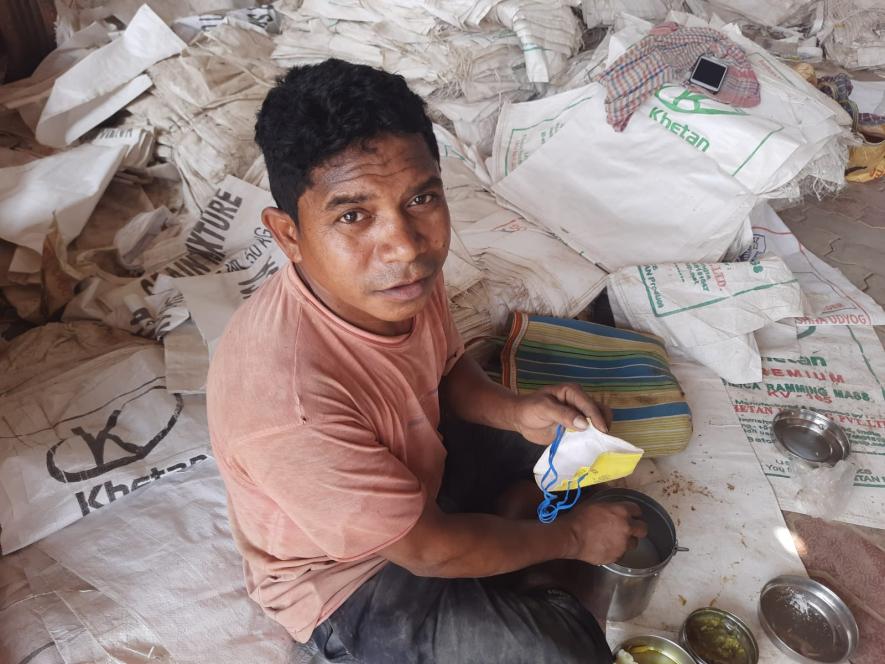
(284,231)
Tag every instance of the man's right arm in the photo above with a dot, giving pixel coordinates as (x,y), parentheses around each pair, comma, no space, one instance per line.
(478,545)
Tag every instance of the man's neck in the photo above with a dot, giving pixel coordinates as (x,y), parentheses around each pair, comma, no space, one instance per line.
(363,322)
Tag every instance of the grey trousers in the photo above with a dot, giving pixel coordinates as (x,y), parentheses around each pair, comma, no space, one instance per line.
(402,618)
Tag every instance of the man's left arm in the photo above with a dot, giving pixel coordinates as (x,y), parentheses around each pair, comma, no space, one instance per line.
(468,392)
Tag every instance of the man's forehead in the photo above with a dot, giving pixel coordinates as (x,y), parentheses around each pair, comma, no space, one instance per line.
(376,160)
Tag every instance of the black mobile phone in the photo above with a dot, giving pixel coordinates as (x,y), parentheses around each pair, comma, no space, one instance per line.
(708,73)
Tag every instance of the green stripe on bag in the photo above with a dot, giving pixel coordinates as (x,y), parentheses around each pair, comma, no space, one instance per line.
(627,371)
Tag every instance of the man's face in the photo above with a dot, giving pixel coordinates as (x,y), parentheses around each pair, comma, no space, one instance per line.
(373,232)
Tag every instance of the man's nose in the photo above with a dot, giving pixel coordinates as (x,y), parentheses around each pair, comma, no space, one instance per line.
(402,240)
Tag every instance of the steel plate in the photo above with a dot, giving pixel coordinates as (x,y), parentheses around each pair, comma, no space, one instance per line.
(810,437)
(807,621)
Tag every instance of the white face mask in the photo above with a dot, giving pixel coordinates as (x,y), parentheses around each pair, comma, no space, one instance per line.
(582,458)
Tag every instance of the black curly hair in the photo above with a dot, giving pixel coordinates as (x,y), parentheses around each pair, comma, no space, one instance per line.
(317,111)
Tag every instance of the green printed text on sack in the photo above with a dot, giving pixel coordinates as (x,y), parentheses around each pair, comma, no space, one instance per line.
(682,130)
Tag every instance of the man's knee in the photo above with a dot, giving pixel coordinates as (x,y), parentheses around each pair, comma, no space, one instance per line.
(519,501)
(536,626)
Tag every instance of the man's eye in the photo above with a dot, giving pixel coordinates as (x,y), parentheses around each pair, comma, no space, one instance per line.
(351,217)
(422,199)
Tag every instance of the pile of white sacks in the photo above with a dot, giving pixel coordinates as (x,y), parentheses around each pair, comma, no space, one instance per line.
(130,185)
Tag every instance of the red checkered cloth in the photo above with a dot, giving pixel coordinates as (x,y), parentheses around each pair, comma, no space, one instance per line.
(667,55)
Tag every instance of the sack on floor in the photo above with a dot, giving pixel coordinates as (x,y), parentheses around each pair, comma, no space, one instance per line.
(708,310)
(82,434)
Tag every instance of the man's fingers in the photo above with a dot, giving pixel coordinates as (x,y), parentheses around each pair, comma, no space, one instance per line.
(638,528)
(566,415)
(633,510)
(607,414)
(574,395)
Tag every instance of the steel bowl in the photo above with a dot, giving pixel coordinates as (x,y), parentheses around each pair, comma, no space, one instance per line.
(741,647)
(807,621)
(651,649)
(809,437)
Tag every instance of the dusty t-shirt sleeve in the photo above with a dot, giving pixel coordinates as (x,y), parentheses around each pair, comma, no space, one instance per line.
(341,486)
(454,343)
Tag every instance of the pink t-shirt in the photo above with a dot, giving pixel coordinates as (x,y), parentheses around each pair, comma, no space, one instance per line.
(326,437)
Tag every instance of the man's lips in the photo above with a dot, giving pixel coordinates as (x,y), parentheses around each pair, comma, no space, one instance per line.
(407,290)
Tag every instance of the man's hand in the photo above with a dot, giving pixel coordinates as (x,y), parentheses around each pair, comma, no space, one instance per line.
(537,415)
(604,531)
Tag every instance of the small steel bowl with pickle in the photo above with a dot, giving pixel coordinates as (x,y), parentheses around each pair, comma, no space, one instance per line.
(708,636)
(714,636)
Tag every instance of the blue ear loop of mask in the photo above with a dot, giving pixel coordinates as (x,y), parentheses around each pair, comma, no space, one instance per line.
(552,504)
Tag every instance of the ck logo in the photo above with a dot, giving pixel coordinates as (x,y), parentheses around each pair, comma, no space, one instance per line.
(121,452)
(692,102)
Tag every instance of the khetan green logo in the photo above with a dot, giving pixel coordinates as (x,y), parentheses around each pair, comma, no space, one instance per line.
(682,130)
(693,102)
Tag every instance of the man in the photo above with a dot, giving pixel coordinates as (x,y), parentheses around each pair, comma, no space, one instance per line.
(324,410)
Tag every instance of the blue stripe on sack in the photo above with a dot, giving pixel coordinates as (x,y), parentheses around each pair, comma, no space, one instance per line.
(580,375)
(524,355)
(595,328)
(650,412)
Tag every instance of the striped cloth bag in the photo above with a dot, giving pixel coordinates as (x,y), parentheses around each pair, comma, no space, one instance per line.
(627,371)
